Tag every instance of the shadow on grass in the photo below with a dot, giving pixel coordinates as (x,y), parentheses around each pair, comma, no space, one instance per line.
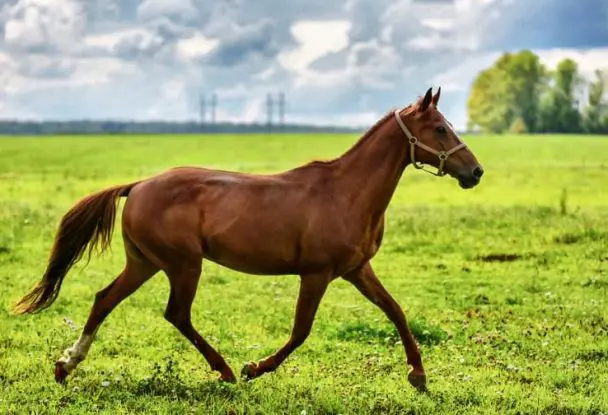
(365,332)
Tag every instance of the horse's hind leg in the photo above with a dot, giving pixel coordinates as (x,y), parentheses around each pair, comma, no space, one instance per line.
(136,272)
(312,289)
(184,283)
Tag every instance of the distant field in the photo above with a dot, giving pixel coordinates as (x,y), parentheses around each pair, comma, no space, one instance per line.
(505,287)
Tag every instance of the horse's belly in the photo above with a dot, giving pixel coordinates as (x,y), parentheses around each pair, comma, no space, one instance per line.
(276,242)
(254,254)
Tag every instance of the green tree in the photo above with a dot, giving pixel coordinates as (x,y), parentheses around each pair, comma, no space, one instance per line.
(560,112)
(526,78)
(487,107)
(518,126)
(509,90)
(595,117)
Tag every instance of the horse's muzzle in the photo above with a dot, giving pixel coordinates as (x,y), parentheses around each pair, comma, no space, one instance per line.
(468,181)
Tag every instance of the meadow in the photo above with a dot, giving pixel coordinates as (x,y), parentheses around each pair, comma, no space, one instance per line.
(505,288)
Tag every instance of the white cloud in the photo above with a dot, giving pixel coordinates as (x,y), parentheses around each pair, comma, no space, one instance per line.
(8,73)
(40,24)
(429,42)
(588,60)
(459,77)
(439,23)
(375,65)
(315,39)
(108,41)
(195,47)
(150,9)
(85,72)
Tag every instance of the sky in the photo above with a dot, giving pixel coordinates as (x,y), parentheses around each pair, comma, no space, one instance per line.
(338,62)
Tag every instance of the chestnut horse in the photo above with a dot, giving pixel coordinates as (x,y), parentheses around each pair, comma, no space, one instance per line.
(320,221)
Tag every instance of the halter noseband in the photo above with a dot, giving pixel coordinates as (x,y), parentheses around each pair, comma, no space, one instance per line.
(443,155)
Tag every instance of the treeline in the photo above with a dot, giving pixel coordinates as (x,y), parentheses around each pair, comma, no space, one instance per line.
(518,94)
(9,127)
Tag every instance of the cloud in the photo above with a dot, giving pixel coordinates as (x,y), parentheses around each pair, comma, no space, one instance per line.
(544,24)
(315,39)
(40,66)
(339,61)
(588,59)
(181,10)
(195,47)
(39,25)
(253,41)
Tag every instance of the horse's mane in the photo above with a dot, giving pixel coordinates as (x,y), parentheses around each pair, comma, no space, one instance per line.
(361,140)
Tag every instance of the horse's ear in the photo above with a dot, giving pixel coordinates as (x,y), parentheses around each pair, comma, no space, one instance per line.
(426,101)
(436,97)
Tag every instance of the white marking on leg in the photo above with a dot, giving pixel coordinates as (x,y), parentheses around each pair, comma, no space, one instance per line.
(76,353)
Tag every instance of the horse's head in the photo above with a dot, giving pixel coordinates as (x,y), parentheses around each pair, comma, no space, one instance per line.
(434,141)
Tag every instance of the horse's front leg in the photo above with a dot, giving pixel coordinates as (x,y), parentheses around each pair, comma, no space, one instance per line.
(312,289)
(368,284)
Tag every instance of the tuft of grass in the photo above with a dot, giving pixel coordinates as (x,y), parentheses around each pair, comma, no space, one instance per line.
(581,236)
(563,202)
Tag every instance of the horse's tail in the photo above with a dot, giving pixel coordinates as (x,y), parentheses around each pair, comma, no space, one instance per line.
(89,223)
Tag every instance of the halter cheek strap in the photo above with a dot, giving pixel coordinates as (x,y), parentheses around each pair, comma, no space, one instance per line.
(442,155)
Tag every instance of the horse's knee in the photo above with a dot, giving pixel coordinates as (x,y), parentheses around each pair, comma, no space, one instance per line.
(176,317)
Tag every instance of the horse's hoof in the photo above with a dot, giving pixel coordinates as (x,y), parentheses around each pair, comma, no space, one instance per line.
(227,378)
(60,373)
(248,371)
(418,380)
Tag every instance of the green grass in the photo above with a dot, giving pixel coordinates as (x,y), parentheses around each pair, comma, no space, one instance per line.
(505,287)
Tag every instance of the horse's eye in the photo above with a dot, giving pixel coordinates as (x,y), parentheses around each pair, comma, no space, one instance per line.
(440,129)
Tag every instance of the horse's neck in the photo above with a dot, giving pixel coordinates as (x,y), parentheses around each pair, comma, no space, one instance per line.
(371,170)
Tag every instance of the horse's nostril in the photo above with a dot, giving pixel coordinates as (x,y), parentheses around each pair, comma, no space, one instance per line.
(478,172)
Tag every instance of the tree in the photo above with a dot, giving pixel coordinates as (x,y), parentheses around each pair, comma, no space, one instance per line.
(562,113)
(526,79)
(510,89)
(595,117)
(486,104)
(518,126)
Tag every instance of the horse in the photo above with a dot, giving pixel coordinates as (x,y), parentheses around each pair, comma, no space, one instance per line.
(320,221)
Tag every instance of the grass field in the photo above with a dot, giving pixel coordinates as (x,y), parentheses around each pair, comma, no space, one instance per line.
(505,287)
